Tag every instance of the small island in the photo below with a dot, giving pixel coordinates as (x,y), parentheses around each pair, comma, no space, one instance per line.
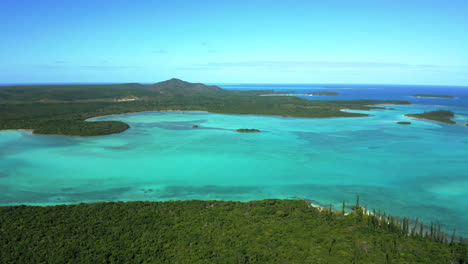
(434,96)
(247,130)
(444,116)
(404,123)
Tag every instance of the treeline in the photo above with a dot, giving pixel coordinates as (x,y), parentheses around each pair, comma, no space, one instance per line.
(34,93)
(404,226)
(267,231)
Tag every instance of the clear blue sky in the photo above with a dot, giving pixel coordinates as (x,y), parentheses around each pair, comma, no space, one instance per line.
(254,41)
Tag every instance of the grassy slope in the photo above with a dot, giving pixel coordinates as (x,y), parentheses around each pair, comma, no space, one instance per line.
(21,106)
(268,231)
(438,115)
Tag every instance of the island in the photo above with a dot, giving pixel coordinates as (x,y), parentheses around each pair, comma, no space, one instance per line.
(433,96)
(444,116)
(247,130)
(404,123)
(65,109)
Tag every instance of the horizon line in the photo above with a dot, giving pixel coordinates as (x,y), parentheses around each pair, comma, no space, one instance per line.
(233,83)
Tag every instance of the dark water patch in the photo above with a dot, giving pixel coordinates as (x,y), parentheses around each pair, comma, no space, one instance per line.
(122,147)
(12,165)
(111,194)
(371,139)
(29,142)
(15,197)
(427,182)
(453,130)
(372,135)
(322,138)
(147,190)
(374,147)
(172,125)
(4,175)
(178,125)
(187,191)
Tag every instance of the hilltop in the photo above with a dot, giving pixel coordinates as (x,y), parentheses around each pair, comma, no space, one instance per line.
(176,86)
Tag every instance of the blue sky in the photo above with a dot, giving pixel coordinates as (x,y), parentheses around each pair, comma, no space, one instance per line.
(256,41)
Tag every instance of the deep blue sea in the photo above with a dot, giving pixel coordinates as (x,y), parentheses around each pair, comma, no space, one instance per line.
(418,170)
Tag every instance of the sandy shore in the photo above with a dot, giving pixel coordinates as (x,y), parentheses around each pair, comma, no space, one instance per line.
(20,130)
(155,111)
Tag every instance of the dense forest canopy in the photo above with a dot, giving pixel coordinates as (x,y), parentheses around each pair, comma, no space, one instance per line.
(268,231)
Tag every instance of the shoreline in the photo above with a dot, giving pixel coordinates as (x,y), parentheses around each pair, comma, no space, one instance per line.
(31,131)
(150,111)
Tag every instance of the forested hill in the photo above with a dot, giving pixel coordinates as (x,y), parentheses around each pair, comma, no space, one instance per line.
(103,92)
(178,87)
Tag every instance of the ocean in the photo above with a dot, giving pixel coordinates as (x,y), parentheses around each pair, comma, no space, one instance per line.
(418,170)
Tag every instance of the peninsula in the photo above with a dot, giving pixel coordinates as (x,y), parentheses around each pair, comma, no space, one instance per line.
(444,116)
(64,109)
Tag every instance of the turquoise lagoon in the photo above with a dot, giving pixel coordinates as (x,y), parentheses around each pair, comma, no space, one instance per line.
(417,170)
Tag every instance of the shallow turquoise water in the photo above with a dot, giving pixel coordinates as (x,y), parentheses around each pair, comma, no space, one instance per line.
(418,170)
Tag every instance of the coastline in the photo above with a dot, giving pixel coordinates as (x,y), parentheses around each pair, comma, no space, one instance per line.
(151,111)
(422,118)
(30,131)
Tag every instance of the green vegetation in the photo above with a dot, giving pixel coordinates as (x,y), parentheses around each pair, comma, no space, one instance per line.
(324,93)
(268,231)
(433,96)
(438,115)
(404,123)
(247,130)
(63,109)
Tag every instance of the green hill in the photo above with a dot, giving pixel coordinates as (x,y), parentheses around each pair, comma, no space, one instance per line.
(178,87)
